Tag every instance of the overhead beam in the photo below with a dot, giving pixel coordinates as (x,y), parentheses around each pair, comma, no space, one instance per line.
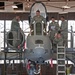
(37,0)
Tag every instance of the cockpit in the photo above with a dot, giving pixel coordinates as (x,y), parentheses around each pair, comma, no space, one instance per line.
(38,25)
(38,6)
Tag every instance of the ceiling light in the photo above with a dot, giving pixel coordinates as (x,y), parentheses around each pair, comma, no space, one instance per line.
(63,12)
(66,7)
(14,6)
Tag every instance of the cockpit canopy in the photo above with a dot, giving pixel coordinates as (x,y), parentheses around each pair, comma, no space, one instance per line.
(38,6)
(38,26)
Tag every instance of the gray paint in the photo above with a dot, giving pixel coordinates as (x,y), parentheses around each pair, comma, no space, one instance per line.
(35,51)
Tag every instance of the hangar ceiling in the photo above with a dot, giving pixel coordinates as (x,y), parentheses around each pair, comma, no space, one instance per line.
(40,0)
(24,5)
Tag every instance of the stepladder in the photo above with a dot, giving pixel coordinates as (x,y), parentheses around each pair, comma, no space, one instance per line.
(61,67)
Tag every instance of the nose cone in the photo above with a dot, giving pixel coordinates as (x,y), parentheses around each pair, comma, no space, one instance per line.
(39,51)
(40,54)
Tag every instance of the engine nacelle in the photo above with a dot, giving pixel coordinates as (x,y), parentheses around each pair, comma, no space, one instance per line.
(15,40)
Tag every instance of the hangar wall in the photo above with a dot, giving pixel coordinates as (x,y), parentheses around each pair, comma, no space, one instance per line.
(24,16)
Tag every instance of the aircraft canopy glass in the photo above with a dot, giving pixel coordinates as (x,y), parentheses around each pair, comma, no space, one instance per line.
(38,6)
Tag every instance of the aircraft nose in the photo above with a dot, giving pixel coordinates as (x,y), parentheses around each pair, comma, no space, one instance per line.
(40,60)
(39,51)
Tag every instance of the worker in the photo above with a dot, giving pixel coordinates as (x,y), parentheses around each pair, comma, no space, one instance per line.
(64,29)
(38,20)
(15,28)
(58,40)
(68,69)
(30,67)
(53,28)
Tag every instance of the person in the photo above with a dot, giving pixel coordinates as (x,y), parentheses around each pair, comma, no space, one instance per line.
(73,69)
(64,29)
(52,29)
(58,40)
(38,19)
(68,69)
(30,67)
(15,28)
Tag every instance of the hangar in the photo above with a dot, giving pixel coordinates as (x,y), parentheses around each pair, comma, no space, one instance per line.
(13,60)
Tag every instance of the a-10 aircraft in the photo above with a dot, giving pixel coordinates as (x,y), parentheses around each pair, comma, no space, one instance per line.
(37,42)
(38,45)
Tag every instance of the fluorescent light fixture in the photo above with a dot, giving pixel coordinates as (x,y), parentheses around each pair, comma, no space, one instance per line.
(14,6)
(63,12)
(66,7)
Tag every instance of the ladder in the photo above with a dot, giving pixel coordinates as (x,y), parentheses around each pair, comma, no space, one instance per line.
(61,67)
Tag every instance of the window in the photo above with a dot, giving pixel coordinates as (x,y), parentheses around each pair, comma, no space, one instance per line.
(71,24)
(8,25)
(1,34)
(26,27)
(2,6)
